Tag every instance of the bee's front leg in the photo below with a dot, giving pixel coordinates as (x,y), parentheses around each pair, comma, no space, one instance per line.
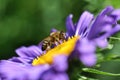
(48,48)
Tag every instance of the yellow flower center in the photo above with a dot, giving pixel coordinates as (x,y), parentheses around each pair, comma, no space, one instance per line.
(63,49)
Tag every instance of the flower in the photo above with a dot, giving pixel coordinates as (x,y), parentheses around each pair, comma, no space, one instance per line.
(93,32)
(21,68)
(83,38)
(35,64)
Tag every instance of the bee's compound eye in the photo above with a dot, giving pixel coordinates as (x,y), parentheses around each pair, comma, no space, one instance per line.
(62,34)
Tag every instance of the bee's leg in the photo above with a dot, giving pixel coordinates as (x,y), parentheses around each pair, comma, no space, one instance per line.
(56,43)
(59,41)
(48,48)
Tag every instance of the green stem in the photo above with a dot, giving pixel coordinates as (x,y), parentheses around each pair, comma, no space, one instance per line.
(99,72)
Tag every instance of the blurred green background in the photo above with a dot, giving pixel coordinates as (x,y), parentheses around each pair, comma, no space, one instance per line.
(27,22)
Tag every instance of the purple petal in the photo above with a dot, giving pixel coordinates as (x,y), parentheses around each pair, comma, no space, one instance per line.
(83,23)
(70,26)
(18,71)
(62,76)
(51,75)
(107,28)
(116,13)
(26,61)
(88,59)
(32,51)
(11,70)
(98,23)
(107,10)
(86,50)
(60,63)
(115,29)
(53,30)
(102,43)
(85,46)
(35,72)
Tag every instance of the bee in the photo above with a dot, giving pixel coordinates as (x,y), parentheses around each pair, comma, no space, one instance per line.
(53,40)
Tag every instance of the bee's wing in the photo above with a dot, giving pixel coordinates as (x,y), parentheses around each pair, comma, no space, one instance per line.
(52,33)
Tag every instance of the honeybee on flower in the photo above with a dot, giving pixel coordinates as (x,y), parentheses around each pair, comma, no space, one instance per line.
(83,37)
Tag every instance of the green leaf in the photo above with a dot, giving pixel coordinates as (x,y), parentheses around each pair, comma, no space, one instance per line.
(86,78)
(90,70)
(115,38)
(113,57)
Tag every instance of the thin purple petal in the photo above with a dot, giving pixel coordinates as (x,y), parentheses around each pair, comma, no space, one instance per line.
(70,26)
(32,51)
(113,31)
(83,23)
(26,61)
(98,23)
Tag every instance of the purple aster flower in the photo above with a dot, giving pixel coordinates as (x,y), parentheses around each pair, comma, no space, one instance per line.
(21,68)
(93,32)
(83,37)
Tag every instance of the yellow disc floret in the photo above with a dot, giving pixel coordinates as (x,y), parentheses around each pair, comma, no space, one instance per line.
(63,49)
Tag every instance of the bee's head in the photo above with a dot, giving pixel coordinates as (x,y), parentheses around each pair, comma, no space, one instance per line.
(62,35)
